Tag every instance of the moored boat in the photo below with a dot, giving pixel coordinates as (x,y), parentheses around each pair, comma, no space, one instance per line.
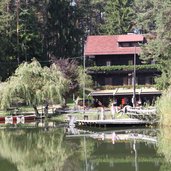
(15,119)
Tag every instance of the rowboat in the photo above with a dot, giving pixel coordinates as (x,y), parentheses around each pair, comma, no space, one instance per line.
(17,119)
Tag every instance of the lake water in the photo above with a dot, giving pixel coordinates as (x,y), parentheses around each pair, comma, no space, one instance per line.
(52,147)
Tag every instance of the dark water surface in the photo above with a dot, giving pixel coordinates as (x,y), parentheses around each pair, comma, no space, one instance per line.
(56,148)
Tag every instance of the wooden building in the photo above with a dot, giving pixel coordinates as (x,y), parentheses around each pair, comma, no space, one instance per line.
(112,61)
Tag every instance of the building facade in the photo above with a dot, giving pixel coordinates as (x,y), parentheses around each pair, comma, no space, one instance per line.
(114,62)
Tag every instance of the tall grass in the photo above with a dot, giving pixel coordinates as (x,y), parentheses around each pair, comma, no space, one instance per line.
(164,143)
(164,139)
(164,108)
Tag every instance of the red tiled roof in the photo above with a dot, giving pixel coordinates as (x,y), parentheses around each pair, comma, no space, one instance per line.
(108,45)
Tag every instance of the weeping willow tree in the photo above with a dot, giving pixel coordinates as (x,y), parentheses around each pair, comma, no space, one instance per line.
(84,80)
(34,84)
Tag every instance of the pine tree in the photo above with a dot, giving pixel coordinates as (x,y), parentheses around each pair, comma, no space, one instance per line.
(119,17)
(64,35)
(30,40)
(145,15)
(20,34)
(6,47)
(159,49)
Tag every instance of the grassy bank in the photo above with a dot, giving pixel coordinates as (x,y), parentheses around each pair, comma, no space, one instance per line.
(16,110)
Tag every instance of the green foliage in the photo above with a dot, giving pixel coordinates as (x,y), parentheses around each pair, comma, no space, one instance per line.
(20,40)
(92,16)
(145,14)
(53,28)
(162,81)
(164,147)
(43,29)
(84,78)
(110,87)
(159,49)
(34,84)
(64,35)
(74,75)
(119,17)
(5,17)
(148,53)
(30,40)
(6,47)
(122,68)
(164,108)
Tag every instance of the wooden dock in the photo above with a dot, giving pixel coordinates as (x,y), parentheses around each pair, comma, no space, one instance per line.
(133,116)
(110,122)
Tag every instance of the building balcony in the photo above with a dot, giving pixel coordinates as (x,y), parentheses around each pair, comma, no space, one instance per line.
(122,69)
(112,87)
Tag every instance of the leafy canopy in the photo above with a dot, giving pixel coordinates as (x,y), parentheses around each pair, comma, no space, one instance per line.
(34,84)
(75,75)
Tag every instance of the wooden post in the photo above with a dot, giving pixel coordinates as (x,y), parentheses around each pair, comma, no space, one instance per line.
(134,80)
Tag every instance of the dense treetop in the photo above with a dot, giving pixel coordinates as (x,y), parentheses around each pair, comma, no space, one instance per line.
(58,29)
(54,28)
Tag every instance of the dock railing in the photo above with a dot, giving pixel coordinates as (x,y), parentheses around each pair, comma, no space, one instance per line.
(149,114)
(142,114)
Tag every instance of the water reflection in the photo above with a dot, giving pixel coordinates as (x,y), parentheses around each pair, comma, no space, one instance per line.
(131,149)
(49,146)
(34,150)
(164,147)
(147,135)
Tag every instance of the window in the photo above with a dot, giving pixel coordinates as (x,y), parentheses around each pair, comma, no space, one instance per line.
(133,44)
(148,80)
(130,62)
(96,84)
(129,80)
(108,81)
(125,45)
(108,63)
(141,80)
(125,81)
(129,44)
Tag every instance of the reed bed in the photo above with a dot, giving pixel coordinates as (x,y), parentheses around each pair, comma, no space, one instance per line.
(164,108)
